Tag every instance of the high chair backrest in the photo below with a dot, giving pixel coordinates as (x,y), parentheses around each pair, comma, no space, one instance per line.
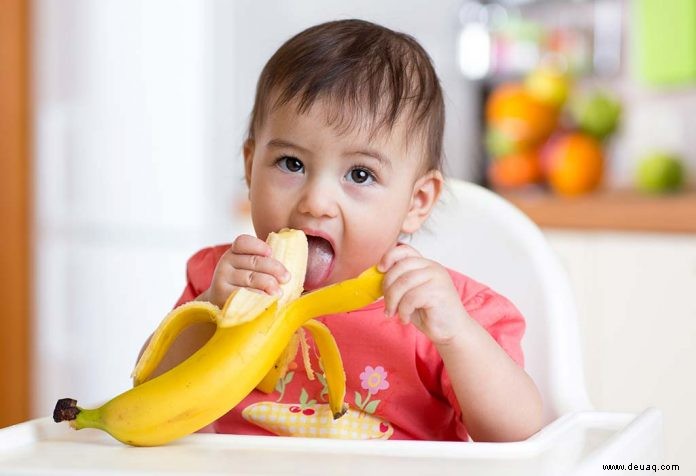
(476,232)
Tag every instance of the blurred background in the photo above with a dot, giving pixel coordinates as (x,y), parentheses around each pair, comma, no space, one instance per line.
(121,126)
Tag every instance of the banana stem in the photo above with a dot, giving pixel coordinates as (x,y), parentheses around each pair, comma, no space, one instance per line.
(66,410)
(88,418)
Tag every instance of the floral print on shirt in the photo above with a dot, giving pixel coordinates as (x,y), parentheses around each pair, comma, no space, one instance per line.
(372,379)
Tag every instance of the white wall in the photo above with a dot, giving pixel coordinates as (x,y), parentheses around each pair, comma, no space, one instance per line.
(123,180)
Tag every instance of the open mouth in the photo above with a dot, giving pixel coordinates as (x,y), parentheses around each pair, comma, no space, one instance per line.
(320,261)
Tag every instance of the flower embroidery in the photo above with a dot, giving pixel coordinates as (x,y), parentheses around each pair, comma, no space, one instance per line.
(374,379)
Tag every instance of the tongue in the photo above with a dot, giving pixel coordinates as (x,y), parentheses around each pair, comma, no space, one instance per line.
(319,261)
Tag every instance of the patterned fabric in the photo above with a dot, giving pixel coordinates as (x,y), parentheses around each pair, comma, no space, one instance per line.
(397,386)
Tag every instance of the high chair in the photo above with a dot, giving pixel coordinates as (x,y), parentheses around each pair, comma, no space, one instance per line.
(481,235)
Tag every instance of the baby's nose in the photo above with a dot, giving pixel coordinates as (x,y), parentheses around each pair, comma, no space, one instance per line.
(319,199)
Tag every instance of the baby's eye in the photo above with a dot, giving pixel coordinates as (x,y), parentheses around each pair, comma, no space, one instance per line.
(360,175)
(290,164)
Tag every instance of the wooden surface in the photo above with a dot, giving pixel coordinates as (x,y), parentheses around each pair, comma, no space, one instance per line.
(621,210)
(14,210)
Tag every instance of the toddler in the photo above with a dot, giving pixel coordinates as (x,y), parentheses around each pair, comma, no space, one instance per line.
(345,143)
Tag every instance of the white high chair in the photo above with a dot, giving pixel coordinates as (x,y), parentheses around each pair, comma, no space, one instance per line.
(479,234)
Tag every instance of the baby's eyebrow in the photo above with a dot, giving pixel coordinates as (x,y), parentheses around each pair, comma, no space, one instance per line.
(282,143)
(375,154)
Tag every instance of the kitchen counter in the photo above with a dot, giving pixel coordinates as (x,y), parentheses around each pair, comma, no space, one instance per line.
(617,210)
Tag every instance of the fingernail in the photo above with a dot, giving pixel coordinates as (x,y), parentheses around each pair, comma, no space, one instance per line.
(286,277)
(278,292)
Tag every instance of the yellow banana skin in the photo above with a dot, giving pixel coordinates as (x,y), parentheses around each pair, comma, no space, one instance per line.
(171,327)
(220,374)
(280,367)
(332,364)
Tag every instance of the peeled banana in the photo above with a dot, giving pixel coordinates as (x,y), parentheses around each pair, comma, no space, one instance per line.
(227,368)
(290,248)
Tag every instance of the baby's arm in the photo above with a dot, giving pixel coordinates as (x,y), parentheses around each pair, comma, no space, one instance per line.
(498,400)
(247,263)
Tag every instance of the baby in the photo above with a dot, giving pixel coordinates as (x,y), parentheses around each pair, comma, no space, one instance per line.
(345,143)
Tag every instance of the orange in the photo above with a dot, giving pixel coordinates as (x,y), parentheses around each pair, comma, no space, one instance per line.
(518,114)
(574,163)
(515,170)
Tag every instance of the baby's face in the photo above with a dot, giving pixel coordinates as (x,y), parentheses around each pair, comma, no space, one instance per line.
(350,195)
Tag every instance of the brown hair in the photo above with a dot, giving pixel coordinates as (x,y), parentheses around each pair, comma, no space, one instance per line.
(366,72)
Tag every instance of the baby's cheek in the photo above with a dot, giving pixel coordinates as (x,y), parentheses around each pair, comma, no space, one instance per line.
(368,250)
(267,218)
(284,182)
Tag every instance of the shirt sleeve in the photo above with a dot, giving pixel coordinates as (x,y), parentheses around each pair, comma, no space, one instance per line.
(501,319)
(199,272)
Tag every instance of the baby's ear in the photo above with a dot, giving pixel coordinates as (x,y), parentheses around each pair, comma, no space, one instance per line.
(426,192)
(249,146)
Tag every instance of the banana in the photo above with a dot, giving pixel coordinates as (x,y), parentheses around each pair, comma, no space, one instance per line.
(222,372)
(290,248)
(332,364)
(280,367)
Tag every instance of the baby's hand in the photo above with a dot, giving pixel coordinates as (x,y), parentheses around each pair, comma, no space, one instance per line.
(248,264)
(422,292)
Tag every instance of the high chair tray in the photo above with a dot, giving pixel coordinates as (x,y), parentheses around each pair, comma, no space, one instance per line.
(577,443)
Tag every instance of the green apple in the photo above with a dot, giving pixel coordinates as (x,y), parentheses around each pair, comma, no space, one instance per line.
(660,172)
(597,113)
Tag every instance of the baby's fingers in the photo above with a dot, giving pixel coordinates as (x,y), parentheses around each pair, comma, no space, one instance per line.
(411,305)
(261,264)
(402,267)
(396,254)
(250,245)
(245,278)
(394,293)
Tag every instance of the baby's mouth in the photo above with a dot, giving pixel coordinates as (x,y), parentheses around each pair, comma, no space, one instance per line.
(319,262)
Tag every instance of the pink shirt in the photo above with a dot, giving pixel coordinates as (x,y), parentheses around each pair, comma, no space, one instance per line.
(397,386)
